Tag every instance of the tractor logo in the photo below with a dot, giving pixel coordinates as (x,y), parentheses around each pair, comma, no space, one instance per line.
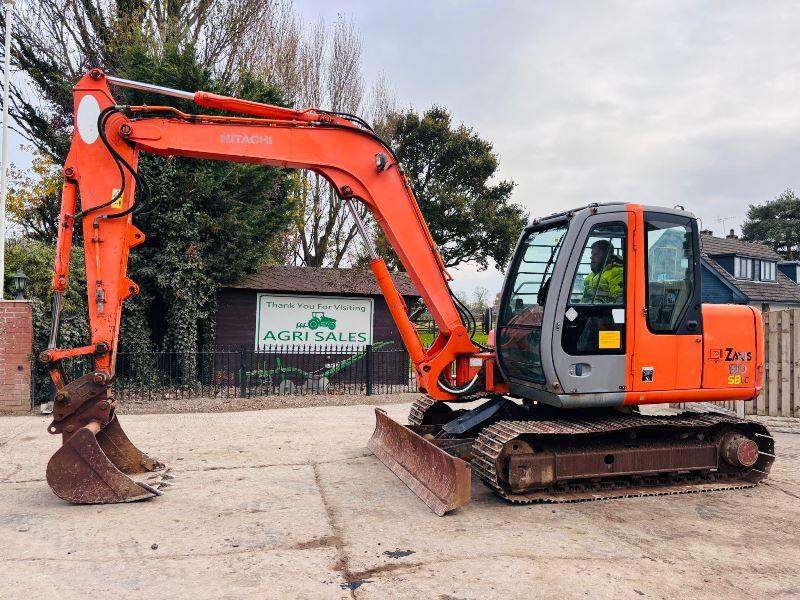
(318,319)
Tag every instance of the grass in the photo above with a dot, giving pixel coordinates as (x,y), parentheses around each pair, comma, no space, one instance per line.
(427,338)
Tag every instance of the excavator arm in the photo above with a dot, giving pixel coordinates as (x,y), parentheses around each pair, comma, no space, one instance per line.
(103,191)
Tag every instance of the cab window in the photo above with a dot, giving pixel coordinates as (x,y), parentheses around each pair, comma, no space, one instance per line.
(599,278)
(670,272)
(520,324)
(594,321)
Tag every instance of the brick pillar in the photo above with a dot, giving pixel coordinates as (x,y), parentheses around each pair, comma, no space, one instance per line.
(16,344)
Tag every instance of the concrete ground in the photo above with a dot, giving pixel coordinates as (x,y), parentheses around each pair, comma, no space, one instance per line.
(288,503)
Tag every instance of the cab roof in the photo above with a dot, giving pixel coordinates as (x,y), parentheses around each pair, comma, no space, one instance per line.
(603,207)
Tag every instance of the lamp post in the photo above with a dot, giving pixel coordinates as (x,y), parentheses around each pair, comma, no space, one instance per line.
(9,5)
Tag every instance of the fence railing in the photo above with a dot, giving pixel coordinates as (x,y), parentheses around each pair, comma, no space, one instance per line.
(426,324)
(270,370)
(378,369)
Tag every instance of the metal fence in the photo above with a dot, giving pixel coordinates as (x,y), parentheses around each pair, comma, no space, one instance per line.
(272,370)
(426,324)
(377,369)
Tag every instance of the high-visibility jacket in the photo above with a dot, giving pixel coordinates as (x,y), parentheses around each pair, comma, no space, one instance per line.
(605,287)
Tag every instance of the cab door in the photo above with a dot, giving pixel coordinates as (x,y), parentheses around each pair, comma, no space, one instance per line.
(590,340)
(666,345)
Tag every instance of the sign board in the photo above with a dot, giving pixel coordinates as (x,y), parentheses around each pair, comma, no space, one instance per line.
(309,321)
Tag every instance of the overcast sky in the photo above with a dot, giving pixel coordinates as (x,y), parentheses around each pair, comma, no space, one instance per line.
(664,103)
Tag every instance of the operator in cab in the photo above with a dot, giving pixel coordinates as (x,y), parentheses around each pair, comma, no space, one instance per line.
(604,285)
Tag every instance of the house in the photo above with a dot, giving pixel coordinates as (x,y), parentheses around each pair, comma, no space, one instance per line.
(738,272)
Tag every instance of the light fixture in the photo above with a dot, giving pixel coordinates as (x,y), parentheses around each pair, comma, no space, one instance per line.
(18,283)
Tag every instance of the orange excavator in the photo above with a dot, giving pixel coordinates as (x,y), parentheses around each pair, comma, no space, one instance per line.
(601,313)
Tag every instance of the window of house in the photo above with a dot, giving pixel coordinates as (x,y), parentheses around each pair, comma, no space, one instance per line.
(743,268)
(767,270)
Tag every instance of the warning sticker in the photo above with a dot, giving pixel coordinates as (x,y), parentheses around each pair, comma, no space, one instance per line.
(118,202)
(608,340)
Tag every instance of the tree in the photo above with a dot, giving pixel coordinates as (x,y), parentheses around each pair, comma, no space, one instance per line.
(322,68)
(55,42)
(450,169)
(34,199)
(480,300)
(777,224)
(209,222)
(317,65)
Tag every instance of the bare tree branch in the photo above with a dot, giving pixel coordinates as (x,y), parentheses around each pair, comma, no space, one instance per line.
(315,64)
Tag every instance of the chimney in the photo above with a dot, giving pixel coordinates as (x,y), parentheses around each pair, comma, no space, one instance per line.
(732,236)
(706,232)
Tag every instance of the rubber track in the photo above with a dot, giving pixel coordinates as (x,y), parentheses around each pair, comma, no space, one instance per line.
(419,408)
(493,438)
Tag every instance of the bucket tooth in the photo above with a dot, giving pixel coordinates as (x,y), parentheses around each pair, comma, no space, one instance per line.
(441,481)
(102,466)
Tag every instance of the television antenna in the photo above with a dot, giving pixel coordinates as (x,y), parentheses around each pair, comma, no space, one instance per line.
(722,221)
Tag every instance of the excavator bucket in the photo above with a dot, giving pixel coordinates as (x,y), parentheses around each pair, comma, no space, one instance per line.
(102,466)
(441,481)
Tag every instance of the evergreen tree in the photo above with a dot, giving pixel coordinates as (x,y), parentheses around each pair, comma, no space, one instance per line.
(777,224)
(451,168)
(209,222)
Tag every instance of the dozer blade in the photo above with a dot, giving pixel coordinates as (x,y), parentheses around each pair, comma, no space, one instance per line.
(441,481)
(102,466)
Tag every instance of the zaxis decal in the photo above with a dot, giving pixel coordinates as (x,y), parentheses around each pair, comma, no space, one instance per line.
(731,355)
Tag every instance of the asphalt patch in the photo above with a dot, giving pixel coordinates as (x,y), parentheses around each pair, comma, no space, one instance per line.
(355,584)
(398,553)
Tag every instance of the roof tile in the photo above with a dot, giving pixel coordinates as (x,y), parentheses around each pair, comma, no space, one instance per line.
(715,246)
(321,280)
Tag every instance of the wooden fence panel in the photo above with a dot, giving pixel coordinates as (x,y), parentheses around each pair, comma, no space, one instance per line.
(795,364)
(781,393)
(773,364)
(786,357)
(763,398)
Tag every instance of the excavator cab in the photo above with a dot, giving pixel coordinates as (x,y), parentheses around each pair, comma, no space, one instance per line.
(601,312)
(583,285)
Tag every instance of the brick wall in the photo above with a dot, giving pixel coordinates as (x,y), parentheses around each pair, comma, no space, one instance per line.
(16,339)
